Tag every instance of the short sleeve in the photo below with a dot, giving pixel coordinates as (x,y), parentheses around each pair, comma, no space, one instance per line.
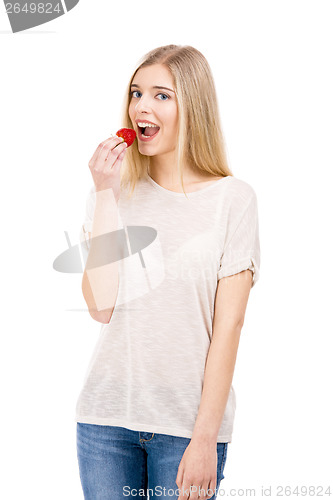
(86,228)
(242,246)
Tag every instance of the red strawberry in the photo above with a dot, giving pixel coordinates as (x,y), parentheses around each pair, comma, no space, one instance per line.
(127,134)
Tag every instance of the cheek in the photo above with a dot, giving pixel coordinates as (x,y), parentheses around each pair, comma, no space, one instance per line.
(173,121)
(171,118)
(174,117)
(131,110)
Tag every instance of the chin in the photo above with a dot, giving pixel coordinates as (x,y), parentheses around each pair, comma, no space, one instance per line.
(147,151)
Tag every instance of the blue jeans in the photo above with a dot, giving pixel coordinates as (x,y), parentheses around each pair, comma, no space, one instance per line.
(115,462)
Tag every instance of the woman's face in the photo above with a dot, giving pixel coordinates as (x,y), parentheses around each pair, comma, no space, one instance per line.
(153,110)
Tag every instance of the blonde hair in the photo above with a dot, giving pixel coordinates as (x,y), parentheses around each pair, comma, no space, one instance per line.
(200,138)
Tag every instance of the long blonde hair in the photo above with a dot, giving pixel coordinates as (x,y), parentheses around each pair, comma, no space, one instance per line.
(200,138)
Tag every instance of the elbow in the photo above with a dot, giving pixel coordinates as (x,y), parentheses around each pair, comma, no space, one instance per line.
(232,324)
(101,316)
(240,322)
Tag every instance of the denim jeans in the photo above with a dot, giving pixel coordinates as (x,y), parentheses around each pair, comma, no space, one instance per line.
(115,462)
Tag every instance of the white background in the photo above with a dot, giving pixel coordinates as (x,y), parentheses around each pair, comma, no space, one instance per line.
(62,86)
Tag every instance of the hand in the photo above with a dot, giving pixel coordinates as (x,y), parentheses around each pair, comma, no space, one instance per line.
(198,467)
(105,164)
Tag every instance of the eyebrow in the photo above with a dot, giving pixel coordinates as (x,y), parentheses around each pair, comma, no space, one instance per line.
(155,87)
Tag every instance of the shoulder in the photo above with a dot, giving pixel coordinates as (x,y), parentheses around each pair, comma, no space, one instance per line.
(239,195)
(240,188)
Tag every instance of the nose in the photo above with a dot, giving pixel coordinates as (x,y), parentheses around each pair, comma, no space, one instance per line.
(143,105)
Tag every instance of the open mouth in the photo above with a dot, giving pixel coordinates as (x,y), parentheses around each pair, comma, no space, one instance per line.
(147,131)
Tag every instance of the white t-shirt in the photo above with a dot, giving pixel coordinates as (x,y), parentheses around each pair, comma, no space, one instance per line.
(147,369)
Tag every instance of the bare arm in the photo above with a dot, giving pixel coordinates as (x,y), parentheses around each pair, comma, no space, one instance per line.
(230,306)
(100,284)
(198,464)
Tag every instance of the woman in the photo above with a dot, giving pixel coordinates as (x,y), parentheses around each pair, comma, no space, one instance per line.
(157,407)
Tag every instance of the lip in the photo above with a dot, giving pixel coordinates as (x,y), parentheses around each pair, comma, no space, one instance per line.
(146,139)
(145,121)
(139,134)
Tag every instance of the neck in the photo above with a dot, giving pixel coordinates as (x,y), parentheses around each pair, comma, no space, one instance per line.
(163,169)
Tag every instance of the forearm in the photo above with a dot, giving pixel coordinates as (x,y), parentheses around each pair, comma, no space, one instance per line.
(100,283)
(219,370)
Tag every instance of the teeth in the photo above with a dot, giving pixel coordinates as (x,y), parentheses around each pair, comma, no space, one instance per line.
(144,125)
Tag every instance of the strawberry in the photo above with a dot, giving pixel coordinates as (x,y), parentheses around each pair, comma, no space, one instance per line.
(127,134)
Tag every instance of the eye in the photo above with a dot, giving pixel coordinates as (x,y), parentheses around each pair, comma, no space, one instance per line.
(136,93)
(163,97)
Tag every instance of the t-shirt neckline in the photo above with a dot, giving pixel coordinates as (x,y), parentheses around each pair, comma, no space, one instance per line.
(192,193)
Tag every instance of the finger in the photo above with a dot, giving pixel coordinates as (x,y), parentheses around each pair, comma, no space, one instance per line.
(117,164)
(97,150)
(115,167)
(180,475)
(113,155)
(211,488)
(109,143)
(185,491)
(179,482)
(108,148)
(194,492)
(204,492)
